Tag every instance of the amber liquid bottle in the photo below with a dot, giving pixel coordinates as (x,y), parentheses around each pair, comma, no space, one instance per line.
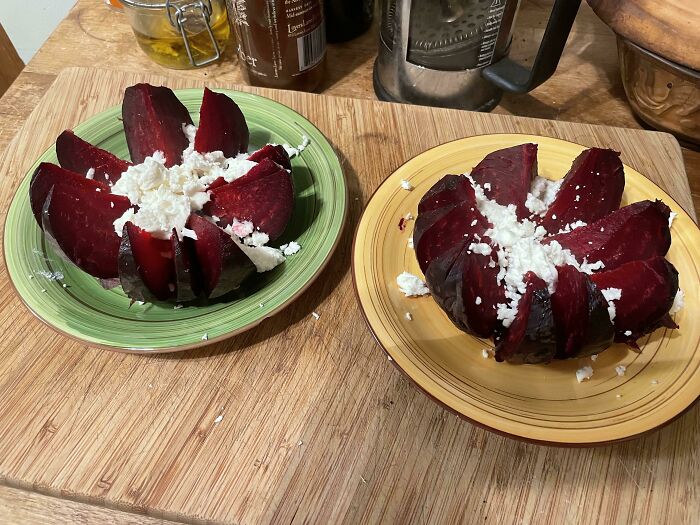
(281,43)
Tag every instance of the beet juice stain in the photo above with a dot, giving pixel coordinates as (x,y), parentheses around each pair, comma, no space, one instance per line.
(281,43)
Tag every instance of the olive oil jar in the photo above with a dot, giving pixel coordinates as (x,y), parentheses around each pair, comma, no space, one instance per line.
(179,34)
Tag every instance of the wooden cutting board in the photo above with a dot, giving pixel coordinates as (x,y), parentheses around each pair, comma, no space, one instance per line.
(316,425)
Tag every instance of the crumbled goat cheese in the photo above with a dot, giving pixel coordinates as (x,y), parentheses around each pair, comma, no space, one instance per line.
(406,185)
(265,258)
(409,216)
(292,151)
(487,186)
(569,227)
(542,194)
(410,243)
(408,316)
(671,218)
(290,249)
(584,373)
(654,382)
(594,357)
(205,337)
(257,239)
(51,276)
(485,353)
(90,173)
(678,302)
(611,295)
(628,333)
(411,285)
(316,315)
(620,370)
(477,301)
(241,229)
(480,248)
(43,290)
(218,419)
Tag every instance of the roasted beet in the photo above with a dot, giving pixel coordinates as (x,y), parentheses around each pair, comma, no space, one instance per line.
(146,265)
(78,155)
(531,337)
(187,280)
(80,219)
(222,263)
(153,121)
(444,278)
(222,126)
(592,189)
(275,153)
(648,289)
(581,317)
(637,231)
(510,173)
(479,293)
(267,201)
(449,190)
(47,175)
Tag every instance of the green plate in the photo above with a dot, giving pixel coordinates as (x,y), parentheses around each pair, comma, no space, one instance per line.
(82,309)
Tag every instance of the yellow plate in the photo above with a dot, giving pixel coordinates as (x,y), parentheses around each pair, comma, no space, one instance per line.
(542,403)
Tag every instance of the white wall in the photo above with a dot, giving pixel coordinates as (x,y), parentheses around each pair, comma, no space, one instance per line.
(28,23)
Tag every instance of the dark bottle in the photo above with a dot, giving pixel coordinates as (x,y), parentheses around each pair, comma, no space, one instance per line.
(281,43)
(347,19)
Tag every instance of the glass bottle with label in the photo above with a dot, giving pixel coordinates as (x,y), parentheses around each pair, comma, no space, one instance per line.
(281,43)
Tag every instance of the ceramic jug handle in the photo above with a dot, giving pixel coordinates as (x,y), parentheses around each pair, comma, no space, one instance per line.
(511,76)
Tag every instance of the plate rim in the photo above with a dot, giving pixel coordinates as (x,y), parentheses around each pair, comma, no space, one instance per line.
(444,405)
(197,344)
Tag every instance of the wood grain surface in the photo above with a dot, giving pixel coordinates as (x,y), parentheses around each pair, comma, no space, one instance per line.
(316,425)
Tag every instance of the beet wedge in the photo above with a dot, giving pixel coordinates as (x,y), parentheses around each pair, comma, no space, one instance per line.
(581,319)
(479,293)
(80,220)
(448,191)
(153,121)
(266,201)
(443,277)
(510,173)
(222,126)
(222,263)
(591,189)
(275,153)
(648,289)
(78,155)
(146,265)
(531,337)
(638,231)
(432,236)
(186,273)
(47,175)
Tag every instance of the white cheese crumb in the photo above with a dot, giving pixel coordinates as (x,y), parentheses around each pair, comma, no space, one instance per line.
(577,187)
(205,337)
(411,285)
(578,198)
(257,239)
(51,276)
(654,382)
(218,419)
(292,151)
(43,290)
(30,276)
(177,307)
(628,333)
(584,373)
(140,303)
(409,216)
(478,300)
(480,248)
(90,173)
(410,243)
(240,228)
(406,185)
(594,357)
(98,189)
(389,358)
(618,396)
(408,316)
(265,258)
(554,217)
(290,249)
(542,194)
(261,305)
(316,315)
(473,223)
(611,295)
(485,353)
(186,232)
(300,443)
(487,186)
(678,302)
(620,370)
(64,285)
(111,205)
(671,218)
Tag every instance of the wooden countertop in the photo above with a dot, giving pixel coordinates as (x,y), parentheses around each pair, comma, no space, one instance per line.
(586,88)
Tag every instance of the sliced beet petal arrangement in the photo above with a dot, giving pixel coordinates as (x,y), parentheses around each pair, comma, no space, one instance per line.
(186,274)
(222,126)
(275,153)
(449,190)
(592,189)
(223,264)
(478,296)
(507,174)
(153,121)
(146,265)
(78,155)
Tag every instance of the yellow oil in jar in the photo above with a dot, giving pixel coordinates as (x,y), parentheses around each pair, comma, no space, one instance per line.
(164,44)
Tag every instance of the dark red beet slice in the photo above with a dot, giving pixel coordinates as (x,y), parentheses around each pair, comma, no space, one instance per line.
(222,263)
(187,285)
(80,220)
(531,337)
(461,223)
(510,172)
(146,265)
(78,155)
(449,190)
(264,168)
(275,153)
(648,290)
(267,201)
(592,189)
(47,175)
(581,317)
(443,278)
(479,293)
(222,126)
(638,231)
(153,118)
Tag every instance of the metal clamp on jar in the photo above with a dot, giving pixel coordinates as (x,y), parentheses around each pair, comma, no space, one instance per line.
(179,34)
